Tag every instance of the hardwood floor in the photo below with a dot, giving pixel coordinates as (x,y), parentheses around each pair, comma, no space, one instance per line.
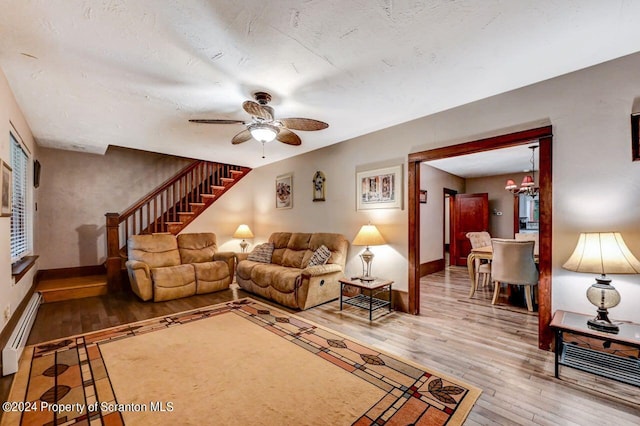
(492,347)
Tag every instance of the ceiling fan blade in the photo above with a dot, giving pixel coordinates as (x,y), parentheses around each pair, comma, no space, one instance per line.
(243,136)
(257,110)
(303,124)
(213,121)
(288,137)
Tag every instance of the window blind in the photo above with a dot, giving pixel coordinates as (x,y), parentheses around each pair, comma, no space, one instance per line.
(19,217)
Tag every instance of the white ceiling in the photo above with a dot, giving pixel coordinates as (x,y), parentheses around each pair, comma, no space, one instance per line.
(88,74)
(491,163)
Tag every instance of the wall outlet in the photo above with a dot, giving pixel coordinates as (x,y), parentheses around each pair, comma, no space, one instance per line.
(7,312)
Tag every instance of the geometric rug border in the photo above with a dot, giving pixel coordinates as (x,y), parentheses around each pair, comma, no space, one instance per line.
(414,393)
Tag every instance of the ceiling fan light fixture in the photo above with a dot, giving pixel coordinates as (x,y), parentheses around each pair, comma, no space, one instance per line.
(263,132)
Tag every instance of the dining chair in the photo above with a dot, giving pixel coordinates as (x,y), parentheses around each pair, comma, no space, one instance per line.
(513,263)
(477,240)
(526,236)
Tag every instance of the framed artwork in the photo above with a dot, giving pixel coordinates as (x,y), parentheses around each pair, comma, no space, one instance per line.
(284,191)
(635,137)
(6,180)
(36,174)
(423,196)
(379,189)
(318,186)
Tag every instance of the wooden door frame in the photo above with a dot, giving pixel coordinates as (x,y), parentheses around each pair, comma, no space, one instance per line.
(544,136)
(451,193)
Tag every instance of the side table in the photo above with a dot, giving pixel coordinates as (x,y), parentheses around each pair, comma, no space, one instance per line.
(614,356)
(363,300)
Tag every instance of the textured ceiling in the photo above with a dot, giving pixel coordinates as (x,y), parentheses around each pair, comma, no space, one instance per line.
(88,74)
(491,163)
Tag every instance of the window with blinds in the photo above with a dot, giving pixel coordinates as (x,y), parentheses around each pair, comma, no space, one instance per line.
(19,214)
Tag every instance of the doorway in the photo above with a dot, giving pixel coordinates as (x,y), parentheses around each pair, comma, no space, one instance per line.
(544,137)
(447,219)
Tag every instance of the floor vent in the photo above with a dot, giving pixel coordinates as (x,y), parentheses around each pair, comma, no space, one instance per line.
(12,351)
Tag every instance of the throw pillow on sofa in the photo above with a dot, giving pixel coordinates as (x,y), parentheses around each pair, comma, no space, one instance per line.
(320,256)
(262,253)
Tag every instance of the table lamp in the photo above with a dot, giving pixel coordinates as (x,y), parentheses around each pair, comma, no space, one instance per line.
(367,236)
(243,232)
(602,253)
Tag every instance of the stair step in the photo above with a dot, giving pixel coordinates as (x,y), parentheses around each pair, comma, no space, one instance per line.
(170,223)
(197,204)
(60,289)
(236,172)
(217,187)
(208,195)
(227,180)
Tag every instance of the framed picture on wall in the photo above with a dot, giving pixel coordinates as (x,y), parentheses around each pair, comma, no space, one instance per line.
(6,180)
(284,191)
(423,196)
(379,188)
(635,137)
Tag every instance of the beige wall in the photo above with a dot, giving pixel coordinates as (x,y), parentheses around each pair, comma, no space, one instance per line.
(233,208)
(12,293)
(432,223)
(337,214)
(77,189)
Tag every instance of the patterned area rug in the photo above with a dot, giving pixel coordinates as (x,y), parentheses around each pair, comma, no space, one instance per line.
(144,373)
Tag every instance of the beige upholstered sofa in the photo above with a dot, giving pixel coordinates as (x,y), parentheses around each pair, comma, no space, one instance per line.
(165,267)
(288,279)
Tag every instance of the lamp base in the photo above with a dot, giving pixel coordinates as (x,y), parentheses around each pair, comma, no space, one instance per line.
(600,325)
(603,323)
(366,278)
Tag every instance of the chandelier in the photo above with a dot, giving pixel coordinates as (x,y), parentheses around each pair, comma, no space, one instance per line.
(528,185)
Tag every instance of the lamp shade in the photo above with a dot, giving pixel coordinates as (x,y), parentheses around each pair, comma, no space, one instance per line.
(368,236)
(527,181)
(602,253)
(510,185)
(243,232)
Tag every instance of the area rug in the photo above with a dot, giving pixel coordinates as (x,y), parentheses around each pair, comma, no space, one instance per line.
(241,362)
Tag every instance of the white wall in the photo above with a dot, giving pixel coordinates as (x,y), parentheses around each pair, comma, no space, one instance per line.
(432,223)
(596,186)
(11,293)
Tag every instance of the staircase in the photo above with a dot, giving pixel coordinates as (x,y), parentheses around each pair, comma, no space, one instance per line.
(167,209)
(55,290)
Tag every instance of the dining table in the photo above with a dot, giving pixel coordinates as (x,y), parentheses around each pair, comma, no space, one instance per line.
(486,253)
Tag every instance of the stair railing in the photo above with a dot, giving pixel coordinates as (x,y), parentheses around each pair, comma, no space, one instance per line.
(161,207)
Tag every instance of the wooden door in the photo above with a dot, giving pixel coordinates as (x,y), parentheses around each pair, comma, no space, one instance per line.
(471,214)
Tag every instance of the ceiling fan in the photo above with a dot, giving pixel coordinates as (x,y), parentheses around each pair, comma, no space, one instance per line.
(264,127)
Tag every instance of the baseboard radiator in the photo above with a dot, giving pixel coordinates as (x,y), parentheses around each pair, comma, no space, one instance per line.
(12,351)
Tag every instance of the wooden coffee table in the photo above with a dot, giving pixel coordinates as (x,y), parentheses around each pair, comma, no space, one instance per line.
(364,300)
